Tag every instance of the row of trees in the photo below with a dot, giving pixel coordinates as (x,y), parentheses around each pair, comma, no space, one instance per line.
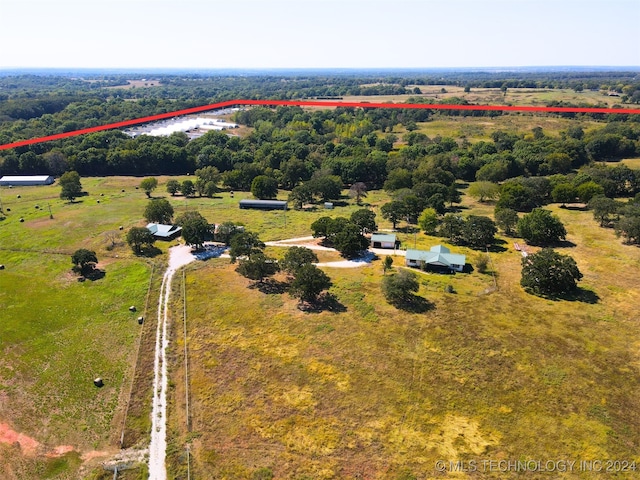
(305,281)
(346,234)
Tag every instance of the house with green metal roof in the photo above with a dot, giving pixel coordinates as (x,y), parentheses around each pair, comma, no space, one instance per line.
(438,258)
(384,240)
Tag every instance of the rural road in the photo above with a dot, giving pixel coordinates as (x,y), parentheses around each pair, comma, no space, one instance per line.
(178,257)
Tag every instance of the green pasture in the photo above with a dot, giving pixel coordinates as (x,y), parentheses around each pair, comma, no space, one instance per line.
(372,391)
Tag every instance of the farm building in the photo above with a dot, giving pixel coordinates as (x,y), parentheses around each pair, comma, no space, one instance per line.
(264,204)
(164,232)
(24,180)
(437,258)
(384,240)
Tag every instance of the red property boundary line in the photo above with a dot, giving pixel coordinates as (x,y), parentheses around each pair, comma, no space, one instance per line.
(318,103)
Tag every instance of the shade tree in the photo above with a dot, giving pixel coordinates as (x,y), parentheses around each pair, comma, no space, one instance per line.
(71,186)
(148,185)
(158,210)
(139,239)
(549,273)
(541,227)
(195,228)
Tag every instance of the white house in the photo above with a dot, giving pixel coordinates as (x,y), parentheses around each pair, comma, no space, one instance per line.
(23,180)
(438,257)
(383,240)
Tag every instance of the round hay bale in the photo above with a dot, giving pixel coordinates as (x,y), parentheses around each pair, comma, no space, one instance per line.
(102,194)
(19,196)
(8,209)
(120,227)
(132,308)
(21,220)
(140,320)
(1,267)
(123,190)
(98,382)
(98,201)
(37,207)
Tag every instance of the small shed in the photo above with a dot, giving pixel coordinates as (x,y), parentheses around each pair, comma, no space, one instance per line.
(164,232)
(328,205)
(264,204)
(383,240)
(25,180)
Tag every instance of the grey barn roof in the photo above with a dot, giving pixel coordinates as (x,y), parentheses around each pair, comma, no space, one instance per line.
(265,204)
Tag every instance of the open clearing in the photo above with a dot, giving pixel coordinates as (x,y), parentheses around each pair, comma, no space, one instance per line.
(368,391)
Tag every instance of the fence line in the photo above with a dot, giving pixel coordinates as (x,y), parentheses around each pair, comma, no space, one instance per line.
(186,368)
(133,375)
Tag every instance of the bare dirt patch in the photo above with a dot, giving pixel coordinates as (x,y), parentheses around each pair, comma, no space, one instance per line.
(28,445)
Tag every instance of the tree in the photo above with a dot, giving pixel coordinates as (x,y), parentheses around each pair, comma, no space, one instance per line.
(149,185)
(257,267)
(195,228)
(245,244)
(629,227)
(484,190)
(225,231)
(393,211)
(158,210)
(296,257)
(187,188)
(479,231)
(357,191)
(264,187)
(452,227)
(506,219)
(563,193)
(328,187)
(400,287)
(588,190)
(84,261)
(349,241)
(173,187)
(428,221)
(308,283)
(71,186)
(387,264)
(549,273)
(209,174)
(365,219)
(321,227)
(300,195)
(140,238)
(540,227)
(603,208)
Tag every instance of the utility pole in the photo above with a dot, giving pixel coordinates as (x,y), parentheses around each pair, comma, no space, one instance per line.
(50,214)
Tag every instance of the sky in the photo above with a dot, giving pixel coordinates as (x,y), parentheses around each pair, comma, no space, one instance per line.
(266,34)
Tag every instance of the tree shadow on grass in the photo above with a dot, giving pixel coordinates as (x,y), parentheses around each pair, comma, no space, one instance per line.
(326,302)
(578,295)
(95,274)
(413,304)
(270,286)
(565,244)
(149,252)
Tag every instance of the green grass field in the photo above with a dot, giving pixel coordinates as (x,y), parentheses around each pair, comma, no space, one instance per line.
(366,391)
(374,392)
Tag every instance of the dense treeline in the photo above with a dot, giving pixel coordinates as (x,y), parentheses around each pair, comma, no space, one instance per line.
(292,144)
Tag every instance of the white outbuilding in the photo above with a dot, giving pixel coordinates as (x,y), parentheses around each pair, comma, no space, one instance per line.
(23,180)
